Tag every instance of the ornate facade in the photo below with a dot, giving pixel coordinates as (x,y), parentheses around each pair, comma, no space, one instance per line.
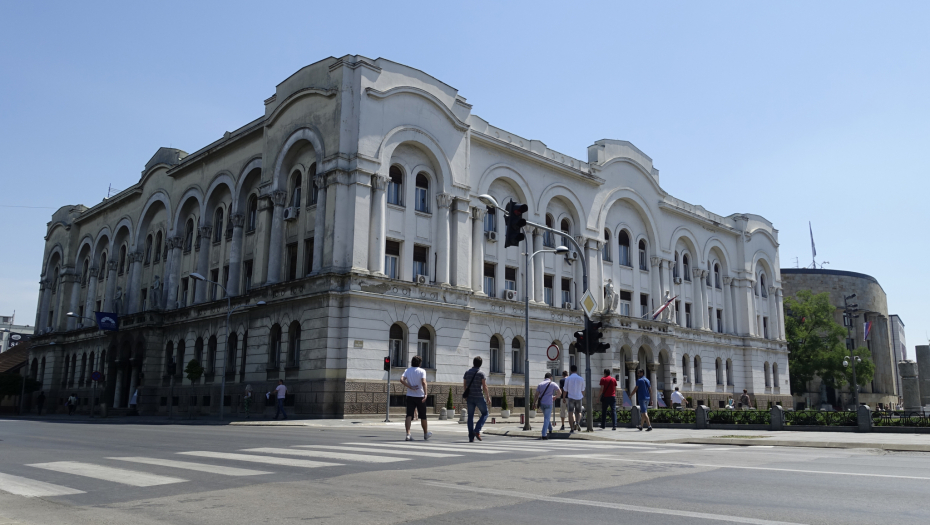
(350,208)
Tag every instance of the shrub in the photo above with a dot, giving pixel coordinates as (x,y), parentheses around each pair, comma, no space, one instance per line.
(504,405)
(449,404)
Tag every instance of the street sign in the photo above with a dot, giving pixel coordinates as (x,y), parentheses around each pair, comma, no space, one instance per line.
(549,352)
(96,376)
(588,304)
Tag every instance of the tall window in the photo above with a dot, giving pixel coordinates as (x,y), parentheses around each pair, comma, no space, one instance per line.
(157,246)
(765,292)
(421,194)
(729,370)
(391,257)
(718,367)
(547,289)
(719,321)
(395,190)
(688,315)
(768,376)
(122,259)
(198,350)
(698,373)
(211,355)
(717,276)
(291,260)
(308,255)
(516,356)
(274,347)
(178,370)
(643,256)
(686,266)
(248,274)
(295,198)
(420,260)
(215,277)
(490,287)
(566,227)
(548,238)
(232,343)
(84,271)
(252,217)
(623,255)
(606,249)
(496,367)
(182,297)
(189,235)
(775,382)
(626,302)
(490,221)
(566,291)
(685,361)
(293,345)
(396,345)
(425,348)
(169,357)
(148,249)
(644,305)
(675,268)
(314,190)
(218,225)
(709,273)
(765,327)
(510,278)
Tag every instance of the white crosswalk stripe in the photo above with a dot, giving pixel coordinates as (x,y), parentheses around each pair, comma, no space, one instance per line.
(418,453)
(445,448)
(287,462)
(117,475)
(325,454)
(31,488)
(201,467)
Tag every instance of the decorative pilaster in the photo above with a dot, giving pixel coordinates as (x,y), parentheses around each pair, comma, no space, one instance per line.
(235,254)
(631,377)
(110,291)
(91,297)
(697,313)
(780,310)
(705,300)
(203,263)
(655,289)
(74,297)
(477,250)
(135,281)
(460,262)
(774,321)
(319,227)
(653,387)
(175,246)
(377,238)
(728,305)
(443,202)
(276,248)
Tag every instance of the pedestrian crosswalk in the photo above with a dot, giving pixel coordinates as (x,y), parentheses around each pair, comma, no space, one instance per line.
(73,478)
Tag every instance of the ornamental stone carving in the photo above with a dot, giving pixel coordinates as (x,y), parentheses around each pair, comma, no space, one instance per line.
(205,231)
(174,243)
(444,200)
(112,266)
(379,182)
(727,281)
(93,272)
(656,261)
(135,257)
(279,198)
(237,220)
(631,365)
(478,213)
(696,272)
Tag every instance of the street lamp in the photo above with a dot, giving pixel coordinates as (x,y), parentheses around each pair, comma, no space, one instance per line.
(491,202)
(229,311)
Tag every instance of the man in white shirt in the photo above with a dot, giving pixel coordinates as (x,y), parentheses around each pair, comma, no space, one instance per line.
(414,379)
(281,392)
(574,387)
(678,399)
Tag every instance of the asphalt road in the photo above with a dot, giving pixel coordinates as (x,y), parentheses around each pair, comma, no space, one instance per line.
(77,473)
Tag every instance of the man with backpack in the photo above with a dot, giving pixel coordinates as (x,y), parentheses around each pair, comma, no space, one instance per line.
(476,396)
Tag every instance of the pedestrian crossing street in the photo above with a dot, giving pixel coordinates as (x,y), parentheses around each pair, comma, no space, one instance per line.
(80,477)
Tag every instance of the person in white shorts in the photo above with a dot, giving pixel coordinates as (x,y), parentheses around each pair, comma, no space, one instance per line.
(414,379)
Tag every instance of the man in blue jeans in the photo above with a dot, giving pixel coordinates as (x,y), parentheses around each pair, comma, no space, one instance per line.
(478,397)
(544,394)
(281,393)
(644,387)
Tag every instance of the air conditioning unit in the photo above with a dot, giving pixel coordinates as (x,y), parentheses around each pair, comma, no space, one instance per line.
(422,279)
(291,213)
(510,295)
(491,236)
(567,306)
(677,280)
(571,256)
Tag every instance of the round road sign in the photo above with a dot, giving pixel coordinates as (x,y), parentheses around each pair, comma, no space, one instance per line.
(549,352)
(96,376)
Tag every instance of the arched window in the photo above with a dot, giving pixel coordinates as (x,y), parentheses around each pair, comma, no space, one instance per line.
(697,372)
(230,355)
(643,256)
(708,274)
(122,259)
(566,227)
(422,193)
(425,348)
(295,197)
(517,356)
(274,346)
(548,238)
(623,255)
(490,221)
(729,372)
(84,270)
(675,273)
(765,292)
(395,190)
(314,190)
(775,382)
(157,246)
(496,367)
(169,358)
(189,235)
(218,225)
(606,248)
(716,276)
(103,268)
(718,367)
(768,375)
(73,370)
(685,362)
(64,377)
(148,249)
(198,350)
(686,267)
(211,355)
(90,362)
(293,345)
(253,213)
(396,345)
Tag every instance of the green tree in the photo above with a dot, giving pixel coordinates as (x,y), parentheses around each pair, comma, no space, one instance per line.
(817,344)
(12,385)
(194,371)
(449,403)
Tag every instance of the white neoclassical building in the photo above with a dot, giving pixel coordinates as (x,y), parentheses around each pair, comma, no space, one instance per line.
(350,208)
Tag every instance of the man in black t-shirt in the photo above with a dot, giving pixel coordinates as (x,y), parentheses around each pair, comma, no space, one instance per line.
(563,401)
(478,397)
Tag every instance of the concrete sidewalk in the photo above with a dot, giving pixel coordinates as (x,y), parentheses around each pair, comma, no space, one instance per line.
(896,442)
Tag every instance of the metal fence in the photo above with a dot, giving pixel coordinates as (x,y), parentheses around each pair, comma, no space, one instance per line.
(900,418)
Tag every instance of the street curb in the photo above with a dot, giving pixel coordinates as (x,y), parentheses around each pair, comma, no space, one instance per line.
(896,447)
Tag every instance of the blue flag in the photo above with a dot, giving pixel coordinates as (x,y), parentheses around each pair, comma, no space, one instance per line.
(107,321)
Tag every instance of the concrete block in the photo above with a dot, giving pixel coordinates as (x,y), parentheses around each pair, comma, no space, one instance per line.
(864,418)
(778,418)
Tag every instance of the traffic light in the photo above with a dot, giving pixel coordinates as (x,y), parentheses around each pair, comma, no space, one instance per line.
(387,363)
(594,333)
(515,223)
(579,341)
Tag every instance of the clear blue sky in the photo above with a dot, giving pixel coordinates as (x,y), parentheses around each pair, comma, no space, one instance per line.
(795,111)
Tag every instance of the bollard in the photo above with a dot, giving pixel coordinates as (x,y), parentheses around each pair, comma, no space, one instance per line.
(493,420)
(521,418)
(864,418)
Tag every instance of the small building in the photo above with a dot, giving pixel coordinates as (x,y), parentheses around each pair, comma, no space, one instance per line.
(11,333)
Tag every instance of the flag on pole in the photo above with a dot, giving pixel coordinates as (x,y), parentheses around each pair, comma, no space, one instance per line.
(868,328)
(813,246)
(662,308)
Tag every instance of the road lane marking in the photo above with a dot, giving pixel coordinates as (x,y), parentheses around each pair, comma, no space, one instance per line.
(608,505)
(417,453)
(771,469)
(287,462)
(325,454)
(31,488)
(472,450)
(134,478)
(202,467)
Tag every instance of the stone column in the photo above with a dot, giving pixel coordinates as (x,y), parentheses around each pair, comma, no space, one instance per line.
(443,201)
(631,378)
(780,309)
(203,263)
(652,384)
(538,271)
(75,300)
(133,378)
(376,240)
(235,254)
(697,313)
(655,288)
(90,300)
(276,248)
(728,305)
(460,218)
(46,302)
(110,291)
(922,354)
(477,250)
(135,281)
(319,226)
(118,393)
(773,314)
(174,267)
(663,282)
(39,303)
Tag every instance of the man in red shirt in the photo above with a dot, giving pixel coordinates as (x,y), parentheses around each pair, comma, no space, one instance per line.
(608,398)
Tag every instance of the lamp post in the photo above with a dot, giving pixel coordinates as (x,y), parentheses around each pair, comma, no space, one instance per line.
(229,311)
(848,312)
(491,202)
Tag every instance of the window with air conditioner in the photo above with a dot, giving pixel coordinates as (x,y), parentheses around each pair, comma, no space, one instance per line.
(490,221)
(490,287)
(547,289)
(420,261)
(510,278)
(566,291)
